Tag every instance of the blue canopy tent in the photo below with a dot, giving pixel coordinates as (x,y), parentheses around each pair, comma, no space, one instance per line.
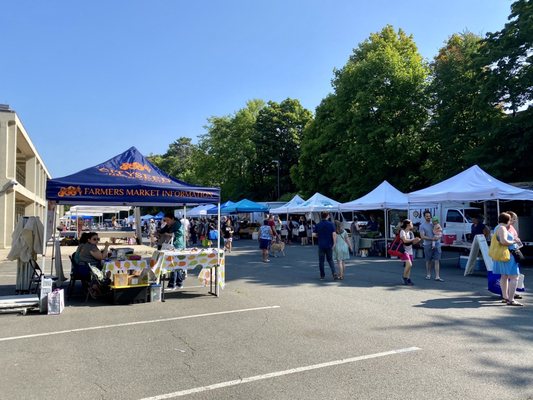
(147,217)
(223,206)
(159,216)
(245,206)
(127,179)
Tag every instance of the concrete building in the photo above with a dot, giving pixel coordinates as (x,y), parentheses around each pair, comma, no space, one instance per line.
(23,176)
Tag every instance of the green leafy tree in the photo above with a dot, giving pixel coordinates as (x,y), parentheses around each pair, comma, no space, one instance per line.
(460,124)
(316,155)
(226,152)
(378,111)
(277,137)
(178,160)
(506,59)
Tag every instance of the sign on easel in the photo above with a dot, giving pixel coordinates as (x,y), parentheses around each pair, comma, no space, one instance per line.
(479,244)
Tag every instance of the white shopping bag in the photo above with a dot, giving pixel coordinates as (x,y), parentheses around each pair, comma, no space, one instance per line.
(56,302)
(520,287)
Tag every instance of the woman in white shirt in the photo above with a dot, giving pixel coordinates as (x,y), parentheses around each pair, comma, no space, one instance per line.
(408,239)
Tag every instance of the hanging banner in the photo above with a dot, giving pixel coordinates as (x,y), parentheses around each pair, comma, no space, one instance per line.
(50,213)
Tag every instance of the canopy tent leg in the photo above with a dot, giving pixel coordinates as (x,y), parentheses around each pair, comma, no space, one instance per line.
(138,227)
(53,244)
(218,253)
(386,211)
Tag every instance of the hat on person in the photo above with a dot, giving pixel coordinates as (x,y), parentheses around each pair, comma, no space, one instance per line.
(151,220)
(435,219)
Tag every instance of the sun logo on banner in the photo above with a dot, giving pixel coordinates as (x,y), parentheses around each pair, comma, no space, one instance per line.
(69,191)
(136,166)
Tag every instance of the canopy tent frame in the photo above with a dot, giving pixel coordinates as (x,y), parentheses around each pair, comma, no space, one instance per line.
(128,179)
(384,197)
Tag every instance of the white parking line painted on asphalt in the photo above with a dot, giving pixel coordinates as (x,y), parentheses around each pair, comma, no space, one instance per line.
(279,373)
(153,321)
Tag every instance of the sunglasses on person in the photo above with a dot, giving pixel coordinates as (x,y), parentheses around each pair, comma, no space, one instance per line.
(96,238)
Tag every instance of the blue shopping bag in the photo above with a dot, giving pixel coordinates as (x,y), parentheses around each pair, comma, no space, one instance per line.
(494,283)
(213,235)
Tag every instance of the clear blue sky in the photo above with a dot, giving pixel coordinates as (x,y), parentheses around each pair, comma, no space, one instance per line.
(89,79)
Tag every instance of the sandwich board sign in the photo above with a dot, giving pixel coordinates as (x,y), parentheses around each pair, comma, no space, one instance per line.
(479,245)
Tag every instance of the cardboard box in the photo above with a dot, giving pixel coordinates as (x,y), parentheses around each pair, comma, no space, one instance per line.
(120,279)
(56,302)
(133,280)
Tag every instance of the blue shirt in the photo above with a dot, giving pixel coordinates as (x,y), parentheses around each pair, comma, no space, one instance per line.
(372,226)
(324,230)
(478,229)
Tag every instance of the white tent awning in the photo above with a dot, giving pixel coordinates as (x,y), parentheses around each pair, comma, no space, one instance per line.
(285,209)
(472,184)
(384,196)
(316,203)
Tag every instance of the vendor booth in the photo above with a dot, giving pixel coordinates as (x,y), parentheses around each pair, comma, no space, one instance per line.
(129,179)
(473,184)
(384,197)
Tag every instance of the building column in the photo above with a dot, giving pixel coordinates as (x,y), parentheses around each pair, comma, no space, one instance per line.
(8,154)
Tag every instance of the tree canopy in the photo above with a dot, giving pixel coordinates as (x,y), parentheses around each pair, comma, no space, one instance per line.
(391,115)
(370,128)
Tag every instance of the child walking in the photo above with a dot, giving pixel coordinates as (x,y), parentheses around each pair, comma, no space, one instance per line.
(341,244)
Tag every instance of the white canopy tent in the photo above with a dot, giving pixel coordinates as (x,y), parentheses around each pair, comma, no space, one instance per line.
(472,184)
(285,209)
(316,203)
(200,211)
(384,197)
(84,210)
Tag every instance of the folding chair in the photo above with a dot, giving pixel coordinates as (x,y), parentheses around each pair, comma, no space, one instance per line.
(37,274)
(78,272)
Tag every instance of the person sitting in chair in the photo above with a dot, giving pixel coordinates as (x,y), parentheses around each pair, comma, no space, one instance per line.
(89,252)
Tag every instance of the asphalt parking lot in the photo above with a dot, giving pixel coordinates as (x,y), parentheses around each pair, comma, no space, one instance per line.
(278,332)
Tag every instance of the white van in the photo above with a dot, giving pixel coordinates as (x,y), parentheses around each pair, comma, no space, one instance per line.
(455,220)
